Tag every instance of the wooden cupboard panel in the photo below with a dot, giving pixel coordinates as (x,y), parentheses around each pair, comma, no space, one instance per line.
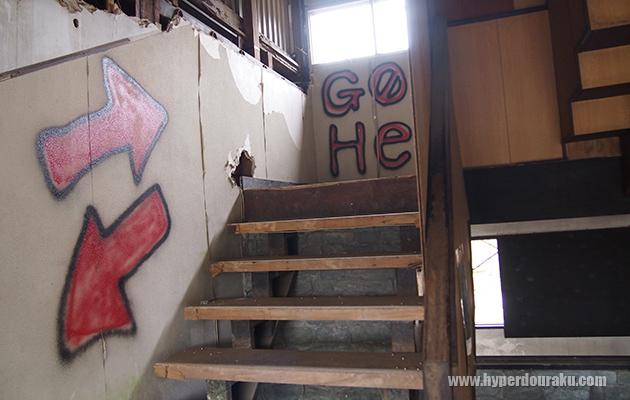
(601,115)
(478,94)
(530,88)
(608,13)
(605,67)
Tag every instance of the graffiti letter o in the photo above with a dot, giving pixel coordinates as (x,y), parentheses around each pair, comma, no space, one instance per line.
(388,84)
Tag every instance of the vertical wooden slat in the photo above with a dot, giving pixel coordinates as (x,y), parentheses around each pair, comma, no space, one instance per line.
(299,40)
(478,93)
(250,20)
(147,9)
(531,102)
(403,336)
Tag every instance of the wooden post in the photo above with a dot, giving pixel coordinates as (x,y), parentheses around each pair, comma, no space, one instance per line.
(252,32)
(148,9)
(300,42)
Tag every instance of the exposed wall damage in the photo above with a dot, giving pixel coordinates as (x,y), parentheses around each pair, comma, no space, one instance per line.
(241,163)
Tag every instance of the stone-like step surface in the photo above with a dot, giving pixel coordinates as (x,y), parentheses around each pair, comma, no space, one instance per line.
(354,369)
(372,308)
(322,262)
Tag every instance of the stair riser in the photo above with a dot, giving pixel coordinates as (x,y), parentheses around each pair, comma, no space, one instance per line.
(370,196)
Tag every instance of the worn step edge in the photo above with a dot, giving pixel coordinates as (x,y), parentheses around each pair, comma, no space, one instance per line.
(355,221)
(321,262)
(373,308)
(376,370)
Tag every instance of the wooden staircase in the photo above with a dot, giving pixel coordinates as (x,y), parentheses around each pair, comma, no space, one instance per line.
(399,369)
(431,311)
(591,41)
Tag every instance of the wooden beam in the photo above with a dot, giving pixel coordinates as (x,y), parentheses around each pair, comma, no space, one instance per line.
(148,9)
(356,221)
(354,369)
(251,41)
(222,13)
(374,308)
(332,199)
(323,262)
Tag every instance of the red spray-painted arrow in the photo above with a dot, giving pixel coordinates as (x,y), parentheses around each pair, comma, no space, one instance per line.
(94,302)
(131,121)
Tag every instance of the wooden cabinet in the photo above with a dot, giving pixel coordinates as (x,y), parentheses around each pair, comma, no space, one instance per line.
(504,91)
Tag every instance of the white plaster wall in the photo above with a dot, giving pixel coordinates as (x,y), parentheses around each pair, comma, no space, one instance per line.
(33,31)
(215,102)
(370,113)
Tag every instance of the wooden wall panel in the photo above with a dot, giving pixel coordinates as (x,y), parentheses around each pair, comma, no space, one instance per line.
(478,94)
(608,13)
(530,87)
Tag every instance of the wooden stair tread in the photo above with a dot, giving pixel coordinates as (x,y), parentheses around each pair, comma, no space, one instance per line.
(607,13)
(601,115)
(372,308)
(320,262)
(605,67)
(354,221)
(356,369)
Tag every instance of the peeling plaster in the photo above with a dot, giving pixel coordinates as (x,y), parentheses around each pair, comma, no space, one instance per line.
(211,45)
(247,76)
(280,98)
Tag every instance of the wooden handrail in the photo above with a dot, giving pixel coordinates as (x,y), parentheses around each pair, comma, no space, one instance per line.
(448,335)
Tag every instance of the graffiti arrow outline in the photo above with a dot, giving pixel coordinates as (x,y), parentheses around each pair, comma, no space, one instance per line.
(67,147)
(151,205)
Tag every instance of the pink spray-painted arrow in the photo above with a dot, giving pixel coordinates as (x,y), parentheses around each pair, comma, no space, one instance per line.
(131,121)
(94,302)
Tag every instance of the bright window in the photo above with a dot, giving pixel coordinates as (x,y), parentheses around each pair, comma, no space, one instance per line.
(359,29)
(487,283)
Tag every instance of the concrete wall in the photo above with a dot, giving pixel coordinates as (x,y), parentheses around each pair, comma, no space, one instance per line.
(356,103)
(114,198)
